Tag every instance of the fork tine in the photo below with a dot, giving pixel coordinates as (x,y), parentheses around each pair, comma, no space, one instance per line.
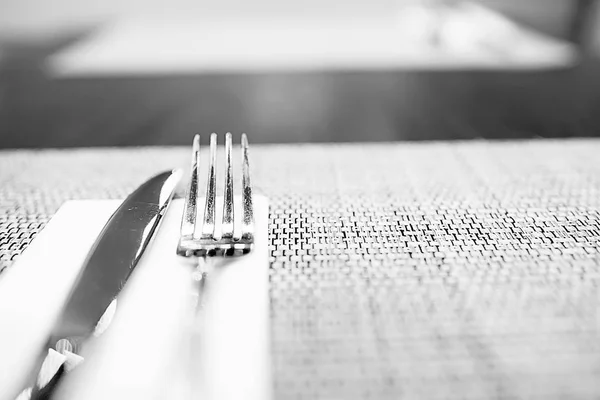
(208,227)
(227,225)
(248,212)
(190,206)
(200,240)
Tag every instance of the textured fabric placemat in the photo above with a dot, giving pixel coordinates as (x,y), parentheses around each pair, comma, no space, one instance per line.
(435,270)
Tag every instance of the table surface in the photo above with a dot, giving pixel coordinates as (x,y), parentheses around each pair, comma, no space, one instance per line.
(38,111)
(421,270)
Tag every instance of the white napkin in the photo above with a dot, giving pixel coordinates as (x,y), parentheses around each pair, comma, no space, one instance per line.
(158,345)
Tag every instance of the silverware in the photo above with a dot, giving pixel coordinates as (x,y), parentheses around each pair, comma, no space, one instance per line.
(208,238)
(109,264)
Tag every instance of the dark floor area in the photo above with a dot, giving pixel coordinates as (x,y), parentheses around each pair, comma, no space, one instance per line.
(38,111)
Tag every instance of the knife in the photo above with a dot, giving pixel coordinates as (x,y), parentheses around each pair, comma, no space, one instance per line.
(105,271)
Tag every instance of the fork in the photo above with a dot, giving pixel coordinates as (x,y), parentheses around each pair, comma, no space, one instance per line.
(209,239)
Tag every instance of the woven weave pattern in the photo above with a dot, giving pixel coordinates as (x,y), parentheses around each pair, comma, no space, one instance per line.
(439,270)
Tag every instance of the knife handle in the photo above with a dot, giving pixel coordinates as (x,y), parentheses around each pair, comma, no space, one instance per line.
(49,375)
(45,392)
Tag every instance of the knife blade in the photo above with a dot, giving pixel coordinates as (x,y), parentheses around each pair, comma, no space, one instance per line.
(109,263)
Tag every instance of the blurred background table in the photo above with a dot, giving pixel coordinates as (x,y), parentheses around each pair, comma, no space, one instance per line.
(38,110)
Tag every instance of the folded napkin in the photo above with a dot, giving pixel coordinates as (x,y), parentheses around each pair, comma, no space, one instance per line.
(160,343)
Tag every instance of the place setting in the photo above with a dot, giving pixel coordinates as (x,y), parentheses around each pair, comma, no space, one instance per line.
(153,297)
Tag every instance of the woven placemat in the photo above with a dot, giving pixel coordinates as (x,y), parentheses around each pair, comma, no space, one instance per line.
(438,270)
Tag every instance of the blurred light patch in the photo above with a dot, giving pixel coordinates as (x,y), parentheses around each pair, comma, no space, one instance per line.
(432,36)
